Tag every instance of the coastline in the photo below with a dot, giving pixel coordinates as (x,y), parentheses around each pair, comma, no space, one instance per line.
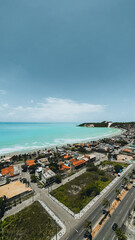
(54,146)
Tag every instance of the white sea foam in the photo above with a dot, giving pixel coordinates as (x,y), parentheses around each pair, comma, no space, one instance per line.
(30,146)
(16,149)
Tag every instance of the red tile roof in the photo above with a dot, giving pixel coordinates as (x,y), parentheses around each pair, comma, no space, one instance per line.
(72,160)
(126,150)
(63,167)
(67,156)
(30,162)
(8,170)
(78,163)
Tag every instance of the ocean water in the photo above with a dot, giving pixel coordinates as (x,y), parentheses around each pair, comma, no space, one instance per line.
(24,137)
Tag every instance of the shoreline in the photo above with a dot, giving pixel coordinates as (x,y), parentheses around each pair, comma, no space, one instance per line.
(53,146)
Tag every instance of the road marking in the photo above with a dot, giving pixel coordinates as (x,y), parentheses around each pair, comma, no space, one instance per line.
(81,232)
(76,230)
(113,237)
(120,210)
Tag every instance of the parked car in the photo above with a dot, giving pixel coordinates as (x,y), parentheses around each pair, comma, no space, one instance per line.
(114,226)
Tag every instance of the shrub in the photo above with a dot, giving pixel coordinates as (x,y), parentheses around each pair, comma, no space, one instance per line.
(91,167)
(33,178)
(101,172)
(104,179)
(118,168)
(58,178)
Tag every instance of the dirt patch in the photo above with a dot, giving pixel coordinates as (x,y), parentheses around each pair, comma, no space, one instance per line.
(74,189)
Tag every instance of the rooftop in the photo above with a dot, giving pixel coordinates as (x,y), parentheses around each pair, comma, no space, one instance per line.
(30,162)
(8,170)
(48,173)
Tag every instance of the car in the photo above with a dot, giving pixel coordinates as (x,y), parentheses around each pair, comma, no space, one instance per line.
(114,226)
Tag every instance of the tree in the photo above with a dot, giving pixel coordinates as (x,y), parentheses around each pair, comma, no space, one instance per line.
(106,203)
(7,179)
(3,201)
(58,178)
(117,193)
(33,178)
(118,168)
(91,167)
(32,169)
(130,175)
(88,226)
(120,234)
(54,167)
(24,168)
(109,156)
(104,179)
(125,182)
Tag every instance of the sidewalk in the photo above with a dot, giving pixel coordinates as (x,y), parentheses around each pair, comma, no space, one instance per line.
(68,179)
(21,206)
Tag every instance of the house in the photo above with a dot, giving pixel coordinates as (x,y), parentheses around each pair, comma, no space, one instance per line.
(77,163)
(127,150)
(47,176)
(38,172)
(30,163)
(63,166)
(67,157)
(12,172)
(43,161)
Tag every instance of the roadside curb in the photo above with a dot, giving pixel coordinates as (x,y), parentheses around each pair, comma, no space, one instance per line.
(61,233)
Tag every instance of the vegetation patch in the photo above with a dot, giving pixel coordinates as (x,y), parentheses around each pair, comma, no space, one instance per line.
(114,163)
(32,222)
(80,191)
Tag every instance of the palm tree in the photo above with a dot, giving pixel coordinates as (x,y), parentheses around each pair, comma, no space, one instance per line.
(126,181)
(106,203)
(88,226)
(117,193)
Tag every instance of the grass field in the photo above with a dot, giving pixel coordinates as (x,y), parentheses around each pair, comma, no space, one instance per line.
(114,163)
(77,193)
(32,223)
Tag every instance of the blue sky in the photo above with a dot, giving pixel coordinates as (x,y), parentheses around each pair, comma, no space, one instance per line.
(67,60)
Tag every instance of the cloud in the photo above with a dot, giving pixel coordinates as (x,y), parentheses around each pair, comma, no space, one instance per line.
(5,105)
(51,110)
(2,92)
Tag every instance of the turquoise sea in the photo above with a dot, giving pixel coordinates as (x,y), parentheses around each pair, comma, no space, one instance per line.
(23,137)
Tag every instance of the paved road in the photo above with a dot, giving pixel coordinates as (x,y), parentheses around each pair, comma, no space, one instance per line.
(93,215)
(75,228)
(119,216)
